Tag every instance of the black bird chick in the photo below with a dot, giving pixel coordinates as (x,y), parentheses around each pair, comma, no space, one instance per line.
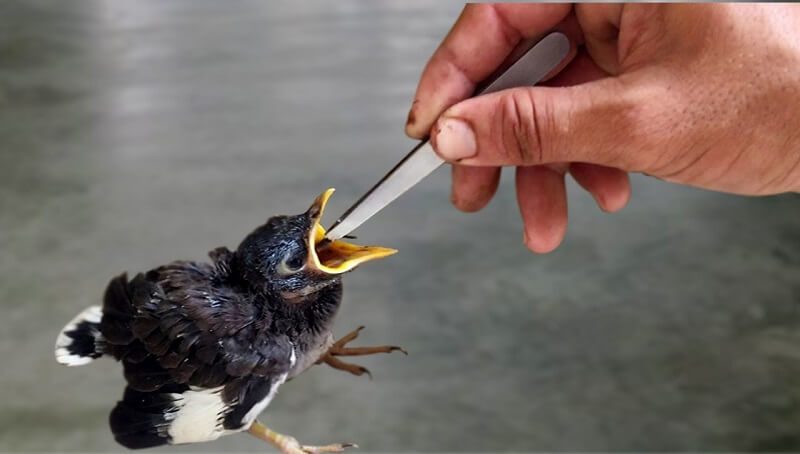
(204,347)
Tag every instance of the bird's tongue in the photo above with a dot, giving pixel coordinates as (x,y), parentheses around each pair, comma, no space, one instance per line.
(336,257)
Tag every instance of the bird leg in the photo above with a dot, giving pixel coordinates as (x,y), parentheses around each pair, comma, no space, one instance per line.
(339,348)
(289,445)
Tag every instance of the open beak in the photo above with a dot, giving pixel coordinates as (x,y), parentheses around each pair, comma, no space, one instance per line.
(336,257)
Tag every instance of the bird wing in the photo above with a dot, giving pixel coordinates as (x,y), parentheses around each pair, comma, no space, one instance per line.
(189,327)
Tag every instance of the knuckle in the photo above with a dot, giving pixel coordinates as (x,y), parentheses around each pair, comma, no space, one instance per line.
(634,123)
(518,130)
(630,119)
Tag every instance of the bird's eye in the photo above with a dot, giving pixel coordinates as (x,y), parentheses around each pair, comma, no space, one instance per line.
(292,263)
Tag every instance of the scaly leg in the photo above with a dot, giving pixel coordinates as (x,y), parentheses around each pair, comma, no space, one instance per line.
(289,445)
(339,349)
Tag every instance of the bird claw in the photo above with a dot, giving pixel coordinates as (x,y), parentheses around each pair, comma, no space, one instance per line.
(354,369)
(395,348)
(292,446)
(336,447)
(339,348)
(289,445)
(347,338)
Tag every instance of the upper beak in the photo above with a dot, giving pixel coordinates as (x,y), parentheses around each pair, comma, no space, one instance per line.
(336,257)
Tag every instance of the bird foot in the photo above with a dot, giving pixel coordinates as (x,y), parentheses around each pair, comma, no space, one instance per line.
(289,445)
(339,348)
(292,446)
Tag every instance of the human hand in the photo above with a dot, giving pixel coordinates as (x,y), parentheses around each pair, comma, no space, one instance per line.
(703,95)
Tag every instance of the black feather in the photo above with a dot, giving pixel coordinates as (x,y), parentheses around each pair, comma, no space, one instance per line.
(141,419)
(146,375)
(85,340)
(247,393)
(117,312)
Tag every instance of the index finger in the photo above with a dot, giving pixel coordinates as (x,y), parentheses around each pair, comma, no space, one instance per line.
(481,39)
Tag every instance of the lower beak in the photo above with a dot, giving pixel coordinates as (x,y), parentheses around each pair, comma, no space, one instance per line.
(336,257)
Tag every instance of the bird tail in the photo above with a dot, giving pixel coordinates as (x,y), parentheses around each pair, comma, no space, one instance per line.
(81,341)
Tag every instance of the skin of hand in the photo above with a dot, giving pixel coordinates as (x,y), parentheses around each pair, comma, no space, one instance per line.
(703,95)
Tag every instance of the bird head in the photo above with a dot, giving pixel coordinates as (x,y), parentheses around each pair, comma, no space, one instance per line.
(289,255)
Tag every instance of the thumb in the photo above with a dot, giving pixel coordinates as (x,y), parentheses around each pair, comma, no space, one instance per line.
(600,122)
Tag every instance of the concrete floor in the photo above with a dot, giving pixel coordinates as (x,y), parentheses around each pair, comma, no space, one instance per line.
(134,133)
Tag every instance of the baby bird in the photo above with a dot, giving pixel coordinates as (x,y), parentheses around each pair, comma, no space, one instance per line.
(205,346)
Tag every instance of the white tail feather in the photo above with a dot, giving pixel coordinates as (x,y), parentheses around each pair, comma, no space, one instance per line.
(78,342)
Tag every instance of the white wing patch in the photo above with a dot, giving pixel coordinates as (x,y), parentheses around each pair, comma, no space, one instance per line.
(199,413)
(197,416)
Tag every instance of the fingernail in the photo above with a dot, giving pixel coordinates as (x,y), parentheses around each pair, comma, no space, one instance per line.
(411,119)
(601,201)
(411,114)
(453,139)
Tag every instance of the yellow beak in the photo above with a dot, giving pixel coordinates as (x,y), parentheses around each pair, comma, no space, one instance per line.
(336,257)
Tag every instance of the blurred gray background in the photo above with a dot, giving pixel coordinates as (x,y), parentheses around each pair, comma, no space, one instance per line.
(133,133)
